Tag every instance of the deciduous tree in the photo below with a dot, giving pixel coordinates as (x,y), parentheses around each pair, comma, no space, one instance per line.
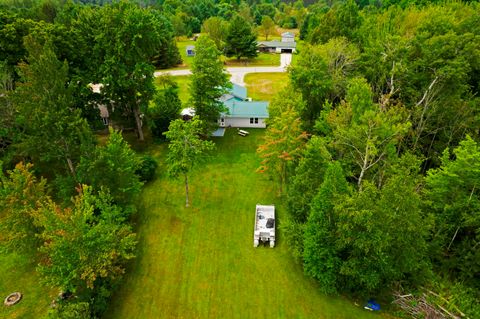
(84,243)
(217,29)
(267,27)
(53,133)
(284,142)
(364,133)
(186,148)
(453,195)
(129,40)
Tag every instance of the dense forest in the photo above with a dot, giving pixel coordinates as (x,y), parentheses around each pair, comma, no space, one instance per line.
(373,145)
(382,196)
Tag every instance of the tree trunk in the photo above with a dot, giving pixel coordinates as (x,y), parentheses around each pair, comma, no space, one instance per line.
(364,168)
(70,166)
(138,121)
(186,190)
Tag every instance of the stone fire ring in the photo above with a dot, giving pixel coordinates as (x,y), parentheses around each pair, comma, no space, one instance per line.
(12,299)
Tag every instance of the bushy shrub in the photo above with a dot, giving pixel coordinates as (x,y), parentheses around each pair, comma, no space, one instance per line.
(146,171)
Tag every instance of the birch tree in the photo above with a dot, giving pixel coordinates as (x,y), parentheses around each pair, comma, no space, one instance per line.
(363,133)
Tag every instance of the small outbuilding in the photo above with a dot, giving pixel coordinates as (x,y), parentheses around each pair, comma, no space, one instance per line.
(190,50)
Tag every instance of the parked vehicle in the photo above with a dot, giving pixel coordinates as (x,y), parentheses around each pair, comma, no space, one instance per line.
(264,225)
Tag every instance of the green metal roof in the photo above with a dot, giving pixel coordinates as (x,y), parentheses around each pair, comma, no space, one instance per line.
(247,109)
(239,91)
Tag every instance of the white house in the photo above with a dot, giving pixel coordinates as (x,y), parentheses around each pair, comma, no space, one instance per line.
(286,45)
(241,111)
(104,114)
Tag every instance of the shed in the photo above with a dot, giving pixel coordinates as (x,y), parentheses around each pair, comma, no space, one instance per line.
(288,37)
(190,50)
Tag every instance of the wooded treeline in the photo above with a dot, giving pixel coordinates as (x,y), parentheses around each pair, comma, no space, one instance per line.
(383,195)
(67,200)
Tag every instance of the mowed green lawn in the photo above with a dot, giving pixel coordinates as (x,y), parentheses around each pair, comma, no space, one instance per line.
(199,262)
(263,59)
(264,86)
(17,273)
(182,44)
(183,82)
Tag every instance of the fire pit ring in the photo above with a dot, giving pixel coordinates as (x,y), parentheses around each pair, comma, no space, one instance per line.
(12,299)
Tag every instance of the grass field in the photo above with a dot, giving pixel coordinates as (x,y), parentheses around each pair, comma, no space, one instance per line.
(264,86)
(200,262)
(182,46)
(17,273)
(263,59)
(183,82)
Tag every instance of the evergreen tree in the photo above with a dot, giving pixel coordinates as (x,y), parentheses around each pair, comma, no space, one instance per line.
(21,194)
(112,167)
(241,40)
(307,178)
(321,260)
(209,82)
(166,106)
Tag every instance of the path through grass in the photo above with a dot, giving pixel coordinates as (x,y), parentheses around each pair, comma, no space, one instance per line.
(200,262)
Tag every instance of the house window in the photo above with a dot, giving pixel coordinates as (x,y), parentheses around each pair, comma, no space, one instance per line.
(256,120)
(105,120)
(251,120)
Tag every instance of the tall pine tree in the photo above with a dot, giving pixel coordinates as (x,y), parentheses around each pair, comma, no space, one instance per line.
(241,41)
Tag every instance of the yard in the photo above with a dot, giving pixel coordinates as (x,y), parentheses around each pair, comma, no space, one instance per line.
(264,86)
(263,59)
(18,274)
(260,86)
(200,262)
(183,82)
(182,44)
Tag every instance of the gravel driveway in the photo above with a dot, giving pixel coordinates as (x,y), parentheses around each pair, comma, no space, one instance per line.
(238,73)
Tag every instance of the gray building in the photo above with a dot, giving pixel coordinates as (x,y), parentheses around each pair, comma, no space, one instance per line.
(286,45)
